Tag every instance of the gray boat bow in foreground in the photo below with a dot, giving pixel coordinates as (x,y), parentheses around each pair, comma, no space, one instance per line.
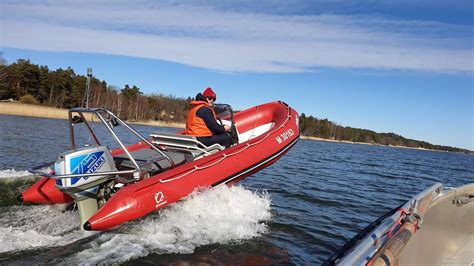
(436,227)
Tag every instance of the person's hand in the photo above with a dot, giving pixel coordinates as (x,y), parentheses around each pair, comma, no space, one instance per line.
(227,127)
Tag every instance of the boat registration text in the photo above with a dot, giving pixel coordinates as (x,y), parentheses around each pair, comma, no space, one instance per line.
(285,136)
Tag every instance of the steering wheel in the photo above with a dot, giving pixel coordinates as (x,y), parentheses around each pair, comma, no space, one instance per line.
(219,121)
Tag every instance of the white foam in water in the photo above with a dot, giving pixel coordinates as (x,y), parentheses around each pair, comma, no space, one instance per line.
(220,215)
(9,173)
(26,227)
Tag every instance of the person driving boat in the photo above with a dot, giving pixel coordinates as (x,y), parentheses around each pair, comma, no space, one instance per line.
(202,123)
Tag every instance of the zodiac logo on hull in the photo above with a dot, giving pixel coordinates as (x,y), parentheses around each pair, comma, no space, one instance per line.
(159,199)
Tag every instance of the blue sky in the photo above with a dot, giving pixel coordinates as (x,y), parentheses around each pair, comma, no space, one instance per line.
(401,66)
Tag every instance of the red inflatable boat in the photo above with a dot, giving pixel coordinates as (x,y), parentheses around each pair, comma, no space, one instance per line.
(113,187)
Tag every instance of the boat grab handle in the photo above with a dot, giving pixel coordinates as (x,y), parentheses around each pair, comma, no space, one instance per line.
(36,170)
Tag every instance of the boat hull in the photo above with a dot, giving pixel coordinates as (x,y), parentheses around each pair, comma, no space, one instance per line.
(433,228)
(45,192)
(447,235)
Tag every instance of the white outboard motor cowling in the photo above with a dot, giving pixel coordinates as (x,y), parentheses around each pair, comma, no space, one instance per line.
(84,189)
(84,161)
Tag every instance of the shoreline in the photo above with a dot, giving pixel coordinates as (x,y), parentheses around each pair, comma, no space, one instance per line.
(40,111)
(365,143)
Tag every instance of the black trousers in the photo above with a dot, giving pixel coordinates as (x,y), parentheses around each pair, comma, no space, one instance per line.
(223,139)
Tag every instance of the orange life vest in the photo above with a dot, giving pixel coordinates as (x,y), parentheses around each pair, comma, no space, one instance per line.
(195,126)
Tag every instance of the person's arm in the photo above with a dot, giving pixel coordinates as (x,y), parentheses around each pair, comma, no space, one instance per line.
(206,114)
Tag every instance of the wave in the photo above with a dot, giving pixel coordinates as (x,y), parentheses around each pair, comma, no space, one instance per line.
(213,216)
(9,173)
(28,227)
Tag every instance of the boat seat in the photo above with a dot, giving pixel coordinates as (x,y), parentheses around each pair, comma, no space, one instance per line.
(184,142)
(150,160)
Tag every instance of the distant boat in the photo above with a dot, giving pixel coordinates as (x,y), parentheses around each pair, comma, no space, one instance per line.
(436,227)
(111,187)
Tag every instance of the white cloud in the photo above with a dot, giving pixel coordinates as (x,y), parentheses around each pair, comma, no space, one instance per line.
(230,41)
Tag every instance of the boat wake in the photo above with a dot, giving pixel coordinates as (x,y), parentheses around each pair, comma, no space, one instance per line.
(28,227)
(218,216)
(13,183)
(12,173)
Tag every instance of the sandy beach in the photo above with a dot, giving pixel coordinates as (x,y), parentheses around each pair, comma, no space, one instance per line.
(16,108)
(342,141)
(363,143)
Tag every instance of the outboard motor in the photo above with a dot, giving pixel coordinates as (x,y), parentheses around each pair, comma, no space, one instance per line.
(84,189)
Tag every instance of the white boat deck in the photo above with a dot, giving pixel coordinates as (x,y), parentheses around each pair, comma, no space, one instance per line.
(465,255)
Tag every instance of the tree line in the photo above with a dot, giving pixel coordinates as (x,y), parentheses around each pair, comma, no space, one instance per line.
(63,88)
(323,128)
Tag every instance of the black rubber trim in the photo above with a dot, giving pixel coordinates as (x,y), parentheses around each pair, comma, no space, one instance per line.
(87,226)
